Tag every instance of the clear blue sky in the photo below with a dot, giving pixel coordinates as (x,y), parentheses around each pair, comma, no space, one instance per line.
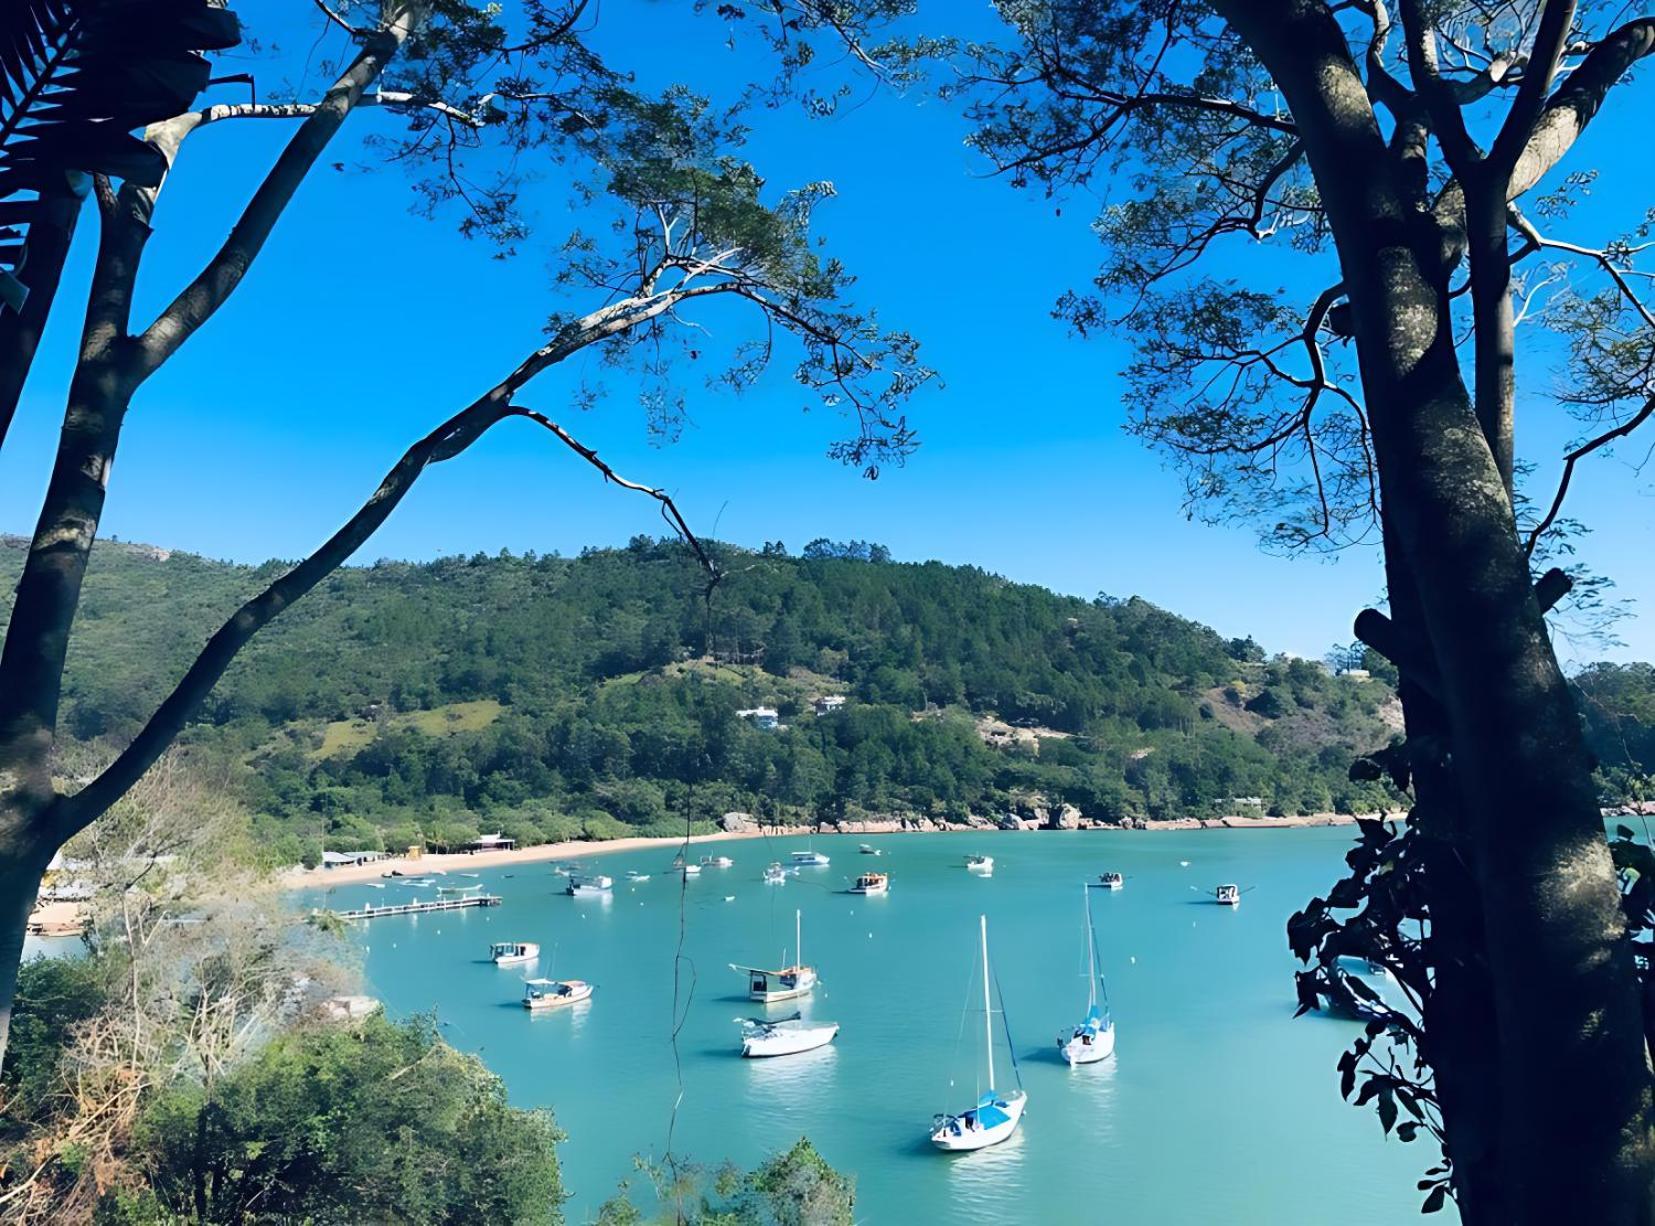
(362,326)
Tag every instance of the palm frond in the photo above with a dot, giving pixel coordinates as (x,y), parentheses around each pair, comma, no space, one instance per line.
(76,77)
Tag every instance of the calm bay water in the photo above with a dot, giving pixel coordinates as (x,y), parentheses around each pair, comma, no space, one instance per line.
(1218,1103)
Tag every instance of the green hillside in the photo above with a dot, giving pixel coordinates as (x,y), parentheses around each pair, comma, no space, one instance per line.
(552,696)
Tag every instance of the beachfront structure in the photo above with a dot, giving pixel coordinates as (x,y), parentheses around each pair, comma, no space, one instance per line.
(343,859)
(827,704)
(766,718)
(493,842)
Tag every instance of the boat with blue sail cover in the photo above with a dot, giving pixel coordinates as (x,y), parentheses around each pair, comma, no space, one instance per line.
(997,1113)
(1094,1039)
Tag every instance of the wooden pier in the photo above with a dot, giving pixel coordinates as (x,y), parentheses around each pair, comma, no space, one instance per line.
(420,908)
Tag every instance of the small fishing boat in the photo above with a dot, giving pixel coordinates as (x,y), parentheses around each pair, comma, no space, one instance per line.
(716,862)
(775,874)
(554,993)
(810,859)
(589,887)
(980,864)
(872,883)
(1111,881)
(867,849)
(996,1115)
(786,983)
(456,891)
(634,876)
(513,953)
(565,869)
(1227,895)
(786,1036)
(1094,1038)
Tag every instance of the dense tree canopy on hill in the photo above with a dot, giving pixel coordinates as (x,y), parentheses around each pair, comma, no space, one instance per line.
(554,696)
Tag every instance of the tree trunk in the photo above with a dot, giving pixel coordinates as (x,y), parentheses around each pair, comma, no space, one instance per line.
(1576,1125)
(23,861)
(1459,1019)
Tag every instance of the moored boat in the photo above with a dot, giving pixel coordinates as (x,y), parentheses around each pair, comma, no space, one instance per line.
(867,849)
(589,887)
(996,1115)
(634,876)
(788,1036)
(554,993)
(1111,881)
(513,953)
(1094,1038)
(980,864)
(872,883)
(1227,895)
(810,859)
(784,983)
(775,874)
(716,862)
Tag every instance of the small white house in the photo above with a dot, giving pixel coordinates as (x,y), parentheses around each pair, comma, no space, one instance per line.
(342,859)
(761,717)
(829,703)
(494,842)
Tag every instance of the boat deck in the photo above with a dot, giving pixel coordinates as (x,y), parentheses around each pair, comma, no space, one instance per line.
(420,908)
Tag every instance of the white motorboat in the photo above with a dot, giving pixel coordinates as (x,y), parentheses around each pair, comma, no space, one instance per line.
(1111,881)
(775,874)
(787,1036)
(1094,1038)
(589,887)
(634,876)
(868,849)
(810,859)
(457,891)
(872,883)
(716,862)
(996,1115)
(1227,895)
(513,953)
(785,983)
(983,865)
(554,993)
(681,865)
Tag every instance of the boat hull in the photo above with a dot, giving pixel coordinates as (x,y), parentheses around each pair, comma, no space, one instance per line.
(540,1004)
(1076,1051)
(788,1042)
(957,1135)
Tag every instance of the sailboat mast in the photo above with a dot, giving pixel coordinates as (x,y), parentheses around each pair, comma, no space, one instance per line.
(798,938)
(1091,953)
(988,1017)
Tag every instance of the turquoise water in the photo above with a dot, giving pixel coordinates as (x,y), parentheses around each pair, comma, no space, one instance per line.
(1218,1103)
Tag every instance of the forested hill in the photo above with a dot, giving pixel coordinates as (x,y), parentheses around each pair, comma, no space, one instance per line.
(550,695)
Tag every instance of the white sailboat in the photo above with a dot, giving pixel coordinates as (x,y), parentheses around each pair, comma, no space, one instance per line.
(996,1115)
(786,983)
(786,1036)
(1094,1038)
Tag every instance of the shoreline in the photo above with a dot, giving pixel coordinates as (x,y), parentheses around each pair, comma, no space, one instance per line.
(571,849)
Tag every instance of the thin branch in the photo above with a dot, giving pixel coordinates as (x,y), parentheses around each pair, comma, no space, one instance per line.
(1573,458)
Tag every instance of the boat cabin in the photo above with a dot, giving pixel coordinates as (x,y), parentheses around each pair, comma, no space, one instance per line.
(872,883)
(1227,895)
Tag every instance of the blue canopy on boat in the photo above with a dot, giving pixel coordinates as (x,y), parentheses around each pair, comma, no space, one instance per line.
(990,1111)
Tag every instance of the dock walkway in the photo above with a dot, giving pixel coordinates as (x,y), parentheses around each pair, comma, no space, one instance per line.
(421,908)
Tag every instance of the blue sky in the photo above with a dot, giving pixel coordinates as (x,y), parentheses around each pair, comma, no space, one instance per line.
(361,326)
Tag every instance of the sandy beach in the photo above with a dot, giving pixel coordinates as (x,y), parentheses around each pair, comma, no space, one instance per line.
(577,849)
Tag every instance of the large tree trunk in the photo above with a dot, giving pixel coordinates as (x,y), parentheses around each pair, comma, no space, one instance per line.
(23,860)
(1576,1138)
(1459,1017)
